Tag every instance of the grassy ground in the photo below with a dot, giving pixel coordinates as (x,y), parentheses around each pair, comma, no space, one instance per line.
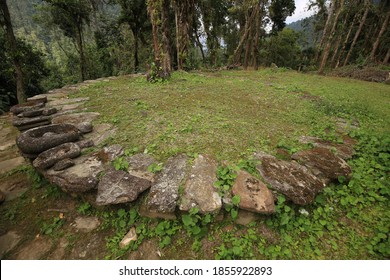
(230,115)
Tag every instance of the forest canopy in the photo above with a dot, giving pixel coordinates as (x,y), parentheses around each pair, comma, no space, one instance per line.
(49,43)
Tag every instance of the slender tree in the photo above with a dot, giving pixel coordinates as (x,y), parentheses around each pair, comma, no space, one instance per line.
(11,43)
(338,6)
(134,14)
(357,34)
(381,32)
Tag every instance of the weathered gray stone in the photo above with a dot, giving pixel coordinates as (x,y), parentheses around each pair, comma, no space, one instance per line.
(85,127)
(112,152)
(199,189)
(81,177)
(138,166)
(35,249)
(130,236)
(9,164)
(324,164)
(344,150)
(27,123)
(8,241)
(76,118)
(164,193)
(63,164)
(38,98)
(49,111)
(37,140)
(27,106)
(254,194)
(85,143)
(31,114)
(65,100)
(293,180)
(50,157)
(117,186)
(100,133)
(86,224)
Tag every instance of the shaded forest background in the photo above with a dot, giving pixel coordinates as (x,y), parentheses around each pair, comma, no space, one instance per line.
(60,42)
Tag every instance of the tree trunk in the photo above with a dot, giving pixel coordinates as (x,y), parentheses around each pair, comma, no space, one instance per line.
(13,49)
(338,41)
(383,29)
(387,57)
(183,18)
(363,20)
(330,38)
(154,19)
(136,61)
(326,30)
(80,45)
(340,56)
(166,45)
(250,17)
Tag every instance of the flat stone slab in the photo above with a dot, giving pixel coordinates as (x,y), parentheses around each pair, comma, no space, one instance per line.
(293,180)
(86,224)
(14,186)
(112,152)
(27,106)
(138,166)
(344,150)
(117,186)
(100,133)
(8,241)
(254,194)
(64,101)
(35,250)
(27,123)
(9,164)
(164,193)
(76,118)
(81,177)
(199,189)
(324,164)
(50,157)
(38,140)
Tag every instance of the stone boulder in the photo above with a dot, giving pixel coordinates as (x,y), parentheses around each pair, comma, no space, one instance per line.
(38,112)
(85,127)
(199,189)
(63,164)
(254,194)
(50,157)
(164,193)
(40,139)
(324,164)
(23,124)
(138,166)
(344,150)
(117,186)
(293,180)
(75,119)
(81,177)
(38,98)
(27,106)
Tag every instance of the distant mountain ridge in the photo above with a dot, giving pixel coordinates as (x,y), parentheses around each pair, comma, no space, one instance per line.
(304,26)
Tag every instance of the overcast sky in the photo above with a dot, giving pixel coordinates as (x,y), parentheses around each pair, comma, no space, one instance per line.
(300,11)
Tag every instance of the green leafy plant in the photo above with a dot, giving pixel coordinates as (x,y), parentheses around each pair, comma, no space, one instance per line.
(226,176)
(195,224)
(165,230)
(85,208)
(121,163)
(50,228)
(155,167)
